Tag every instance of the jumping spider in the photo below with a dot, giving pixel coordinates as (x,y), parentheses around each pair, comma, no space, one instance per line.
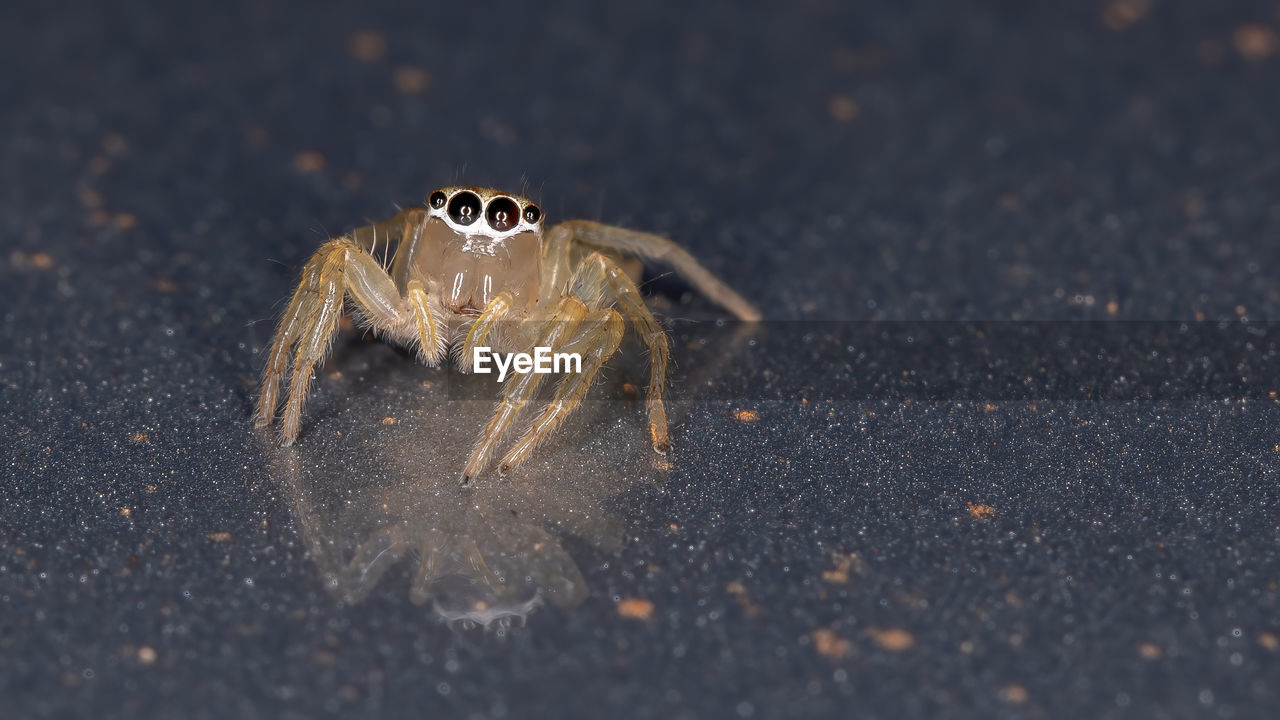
(473,268)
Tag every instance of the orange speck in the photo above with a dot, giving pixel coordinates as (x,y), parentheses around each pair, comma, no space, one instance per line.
(893,639)
(981,512)
(388,421)
(42,260)
(220,537)
(151,488)
(164,286)
(1150,651)
(1123,14)
(1255,42)
(146,655)
(257,136)
(1113,308)
(410,80)
(1199,316)
(842,108)
(746,415)
(126,221)
(990,407)
(635,609)
(739,591)
(1014,694)
(368,46)
(89,197)
(829,645)
(1268,641)
(140,438)
(308,161)
(114,143)
(127,512)
(840,573)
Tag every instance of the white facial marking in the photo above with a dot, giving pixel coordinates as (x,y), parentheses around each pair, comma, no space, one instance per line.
(457,286)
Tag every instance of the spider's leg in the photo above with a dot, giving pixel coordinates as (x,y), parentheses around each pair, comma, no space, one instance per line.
(598,270)
(479,569)
(658,248)
(306,300)
(596,341)
(302,308)
(430,546)
(558,328)
(319,305)
(342,268)
(557,261)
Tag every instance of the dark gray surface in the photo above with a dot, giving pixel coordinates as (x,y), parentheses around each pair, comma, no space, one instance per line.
(1006,162)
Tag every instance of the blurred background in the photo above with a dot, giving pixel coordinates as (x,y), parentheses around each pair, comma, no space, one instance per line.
(832,535)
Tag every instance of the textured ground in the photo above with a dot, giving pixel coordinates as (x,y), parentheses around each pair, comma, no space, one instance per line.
(1006,445)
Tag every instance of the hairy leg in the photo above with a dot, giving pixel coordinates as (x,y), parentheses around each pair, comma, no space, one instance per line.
(659,248)
(555,331)
(341,268)
(557,265)
(600,275)
(402,229)
(597,340)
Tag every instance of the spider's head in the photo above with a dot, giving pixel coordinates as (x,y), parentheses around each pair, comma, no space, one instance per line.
(471,211)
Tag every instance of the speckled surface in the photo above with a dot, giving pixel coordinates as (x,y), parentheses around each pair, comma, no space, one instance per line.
(921,488)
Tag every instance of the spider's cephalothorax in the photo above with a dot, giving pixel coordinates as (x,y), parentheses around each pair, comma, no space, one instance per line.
(475,268)
(479,242)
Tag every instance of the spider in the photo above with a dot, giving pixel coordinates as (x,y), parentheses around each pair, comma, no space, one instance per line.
(476,268)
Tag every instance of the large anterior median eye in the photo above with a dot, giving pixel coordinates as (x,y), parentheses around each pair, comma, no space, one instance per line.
(503,214)
(464,208)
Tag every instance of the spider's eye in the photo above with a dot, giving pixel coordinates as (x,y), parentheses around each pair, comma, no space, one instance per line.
(436,200)
(503,214)
(532,214)
(464,208)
